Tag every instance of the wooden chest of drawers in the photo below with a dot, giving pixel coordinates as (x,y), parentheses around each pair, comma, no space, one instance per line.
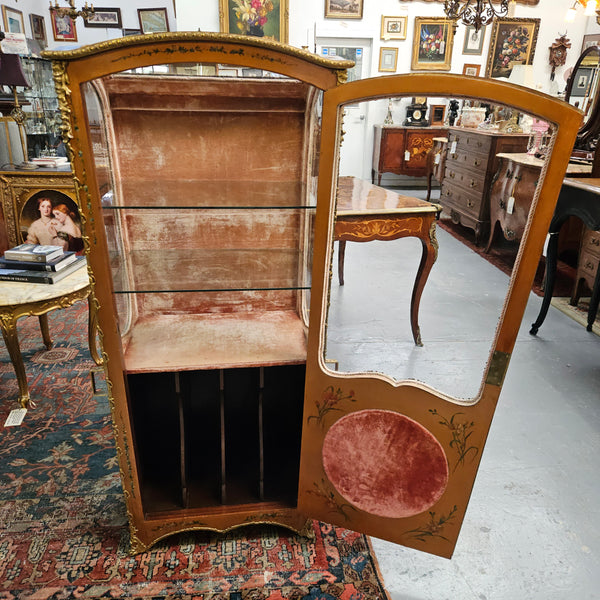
(470,167)
(587,265)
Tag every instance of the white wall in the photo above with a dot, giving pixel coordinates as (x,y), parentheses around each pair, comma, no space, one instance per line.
(89,35)
(306,16)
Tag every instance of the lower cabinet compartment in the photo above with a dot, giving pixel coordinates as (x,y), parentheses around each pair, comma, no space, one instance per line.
(218,437)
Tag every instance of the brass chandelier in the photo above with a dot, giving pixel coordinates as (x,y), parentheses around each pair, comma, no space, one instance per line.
(71,11)
(477,13)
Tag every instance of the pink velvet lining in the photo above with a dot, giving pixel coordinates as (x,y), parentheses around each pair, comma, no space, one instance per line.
(385,463)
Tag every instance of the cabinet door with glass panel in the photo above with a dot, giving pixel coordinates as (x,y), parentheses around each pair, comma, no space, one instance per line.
(209,228)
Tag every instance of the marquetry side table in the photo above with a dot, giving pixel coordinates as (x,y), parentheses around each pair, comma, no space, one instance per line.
(367,212)
(23,299)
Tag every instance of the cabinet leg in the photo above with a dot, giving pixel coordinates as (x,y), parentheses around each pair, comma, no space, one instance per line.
(594,302)
(429,186)
(9,332)
(341,258)
(493,227)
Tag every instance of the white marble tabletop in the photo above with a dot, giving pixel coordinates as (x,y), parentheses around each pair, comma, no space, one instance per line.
(14,293)
(530,160)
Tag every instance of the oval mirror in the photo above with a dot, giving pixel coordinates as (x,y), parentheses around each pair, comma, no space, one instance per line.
(582,92)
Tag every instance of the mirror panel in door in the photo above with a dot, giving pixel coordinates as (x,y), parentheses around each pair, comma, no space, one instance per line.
(418,302)
(395,454)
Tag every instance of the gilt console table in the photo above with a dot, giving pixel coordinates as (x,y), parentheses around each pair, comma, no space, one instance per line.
(367,212)
(23,299)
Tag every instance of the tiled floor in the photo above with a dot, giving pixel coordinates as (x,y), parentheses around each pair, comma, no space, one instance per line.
(532,528)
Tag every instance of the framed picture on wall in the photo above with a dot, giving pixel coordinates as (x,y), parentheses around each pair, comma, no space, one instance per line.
(513,42)
(473,43)
(343,9)
(437,114)
(153,20)
(63,28)
(581,85)
(388,59)
(38,29)
(432,44)
(13,20)
(104,17)
(471,69)
(261,18)
(393,28)
(591,39)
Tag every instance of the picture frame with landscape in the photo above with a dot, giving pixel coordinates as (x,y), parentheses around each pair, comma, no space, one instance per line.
(104,17)
(343,9)
(153,20)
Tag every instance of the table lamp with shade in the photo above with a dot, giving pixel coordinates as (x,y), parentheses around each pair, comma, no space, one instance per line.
(12,76)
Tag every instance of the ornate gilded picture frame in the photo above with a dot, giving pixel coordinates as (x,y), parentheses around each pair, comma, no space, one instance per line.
(262,18)
(432,44)
(513,42)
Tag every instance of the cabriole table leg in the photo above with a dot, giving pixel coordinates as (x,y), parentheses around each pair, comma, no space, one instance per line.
(8,323)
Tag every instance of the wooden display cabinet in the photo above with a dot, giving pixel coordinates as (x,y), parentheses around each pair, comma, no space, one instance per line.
(402,150)
(205,237)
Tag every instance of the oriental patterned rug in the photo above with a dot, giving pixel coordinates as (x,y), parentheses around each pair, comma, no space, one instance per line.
(63,523)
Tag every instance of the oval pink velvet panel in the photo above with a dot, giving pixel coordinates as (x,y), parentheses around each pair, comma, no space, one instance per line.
(385,463)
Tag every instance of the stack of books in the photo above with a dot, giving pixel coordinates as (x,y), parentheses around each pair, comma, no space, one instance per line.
(50,161)
(32,263)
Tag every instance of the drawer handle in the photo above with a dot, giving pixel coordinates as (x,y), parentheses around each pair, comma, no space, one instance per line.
(510,234)
(448,193)
(473,183)
(476,162)
(589,265)
(470,203)
(452,174)
(595,241)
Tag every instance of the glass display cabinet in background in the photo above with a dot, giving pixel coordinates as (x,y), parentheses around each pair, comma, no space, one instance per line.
(43,116)
(209,205)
